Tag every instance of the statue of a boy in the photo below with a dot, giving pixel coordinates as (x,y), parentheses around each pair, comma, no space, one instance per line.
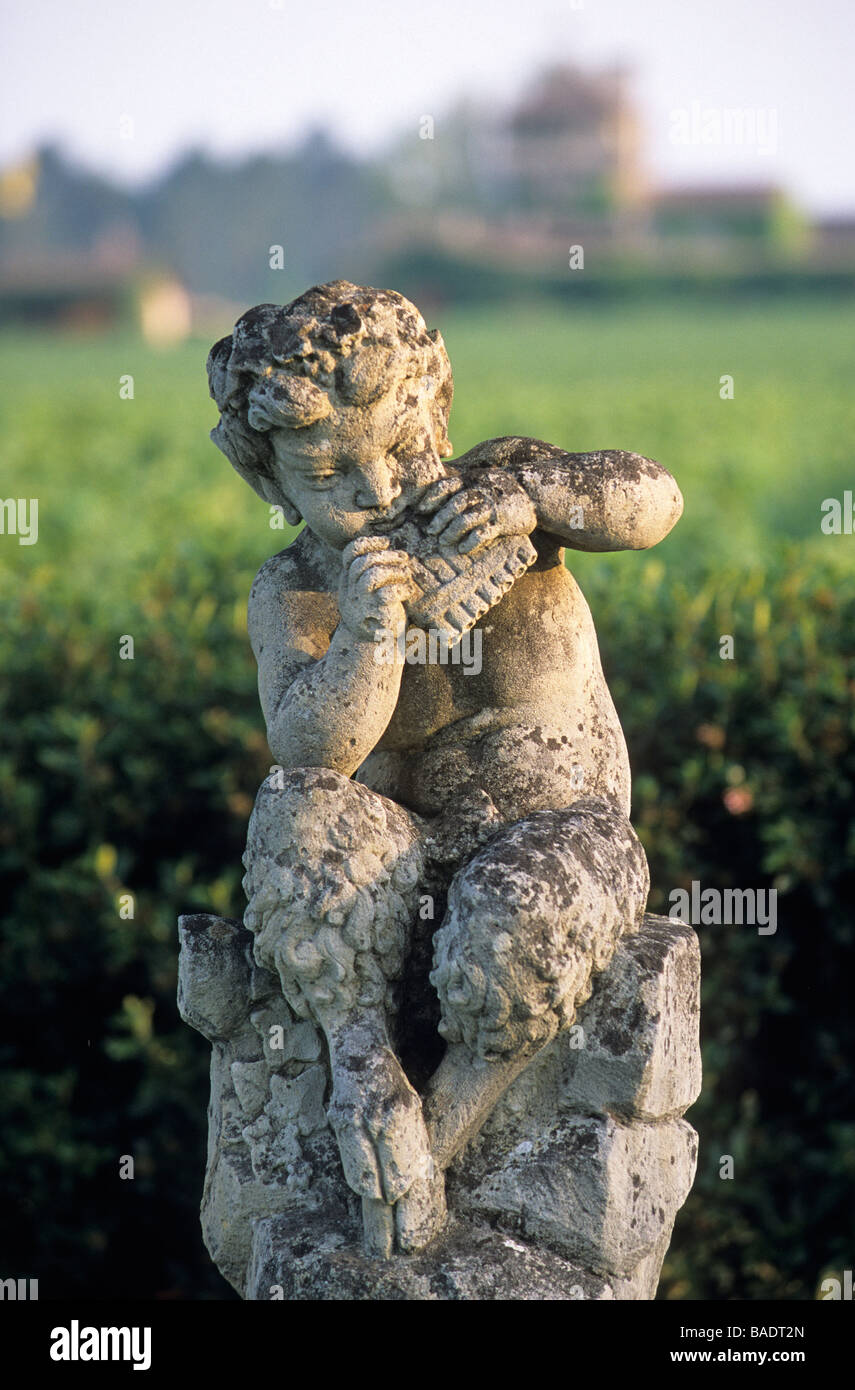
(413,791)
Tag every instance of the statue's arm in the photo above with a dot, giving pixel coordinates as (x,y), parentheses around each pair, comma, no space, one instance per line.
(606,500)
(326,700)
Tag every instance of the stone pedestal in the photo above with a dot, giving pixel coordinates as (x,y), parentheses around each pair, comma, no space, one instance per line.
(570,1189)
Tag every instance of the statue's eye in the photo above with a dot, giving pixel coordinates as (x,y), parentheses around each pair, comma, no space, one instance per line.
(323,472)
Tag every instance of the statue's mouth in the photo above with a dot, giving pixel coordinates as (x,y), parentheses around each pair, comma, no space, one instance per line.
(404,508)
(389,515)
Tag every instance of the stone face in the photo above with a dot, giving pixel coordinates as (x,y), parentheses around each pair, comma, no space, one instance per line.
(449,1052)
(214,981)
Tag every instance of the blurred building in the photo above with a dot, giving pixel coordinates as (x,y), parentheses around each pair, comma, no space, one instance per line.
(565,161)
(833,240)
(72,256)
(575,146)
(81,293)
(710,220)
(486,200)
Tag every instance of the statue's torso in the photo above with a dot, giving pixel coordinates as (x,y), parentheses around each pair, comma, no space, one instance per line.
(535,726)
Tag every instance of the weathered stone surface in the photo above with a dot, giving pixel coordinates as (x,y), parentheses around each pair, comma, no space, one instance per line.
(268,1140)
(445,894)
(597,1191)
(214,979)
(311,1259)
(589,1199)
(641,1057)
(314,1260)
(634,1051)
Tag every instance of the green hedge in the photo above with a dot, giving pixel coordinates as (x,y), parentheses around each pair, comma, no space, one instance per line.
(138,777)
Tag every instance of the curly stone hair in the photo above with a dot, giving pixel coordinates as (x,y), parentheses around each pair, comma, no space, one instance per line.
(287,366)
(332,882)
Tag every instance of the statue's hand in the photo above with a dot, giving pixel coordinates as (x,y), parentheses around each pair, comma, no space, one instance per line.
(375,584)
(377,1119)
(469,517)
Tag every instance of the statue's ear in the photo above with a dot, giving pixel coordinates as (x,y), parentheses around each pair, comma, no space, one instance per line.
(289,511)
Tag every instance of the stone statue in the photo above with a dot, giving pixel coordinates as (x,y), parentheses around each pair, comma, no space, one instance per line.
(440,869)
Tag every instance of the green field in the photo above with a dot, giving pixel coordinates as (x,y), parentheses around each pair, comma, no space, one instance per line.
(123,483)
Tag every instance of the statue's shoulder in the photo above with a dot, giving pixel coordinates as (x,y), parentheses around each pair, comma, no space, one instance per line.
(298,567)
(508,451)
(287,591)
(280,571)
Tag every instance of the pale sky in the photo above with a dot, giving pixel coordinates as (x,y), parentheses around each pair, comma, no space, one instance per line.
(235,76)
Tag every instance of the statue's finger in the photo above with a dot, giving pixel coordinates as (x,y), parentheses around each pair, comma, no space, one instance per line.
(389,558)
(362,546)
(477,539)
(463,524)
(457,504)
(381,576)
(437,493)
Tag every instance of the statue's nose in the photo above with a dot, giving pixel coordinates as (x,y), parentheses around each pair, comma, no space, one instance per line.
(377,487)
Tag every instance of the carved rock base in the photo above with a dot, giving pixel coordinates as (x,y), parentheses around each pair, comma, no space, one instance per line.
(467,1262)
(569,1191)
